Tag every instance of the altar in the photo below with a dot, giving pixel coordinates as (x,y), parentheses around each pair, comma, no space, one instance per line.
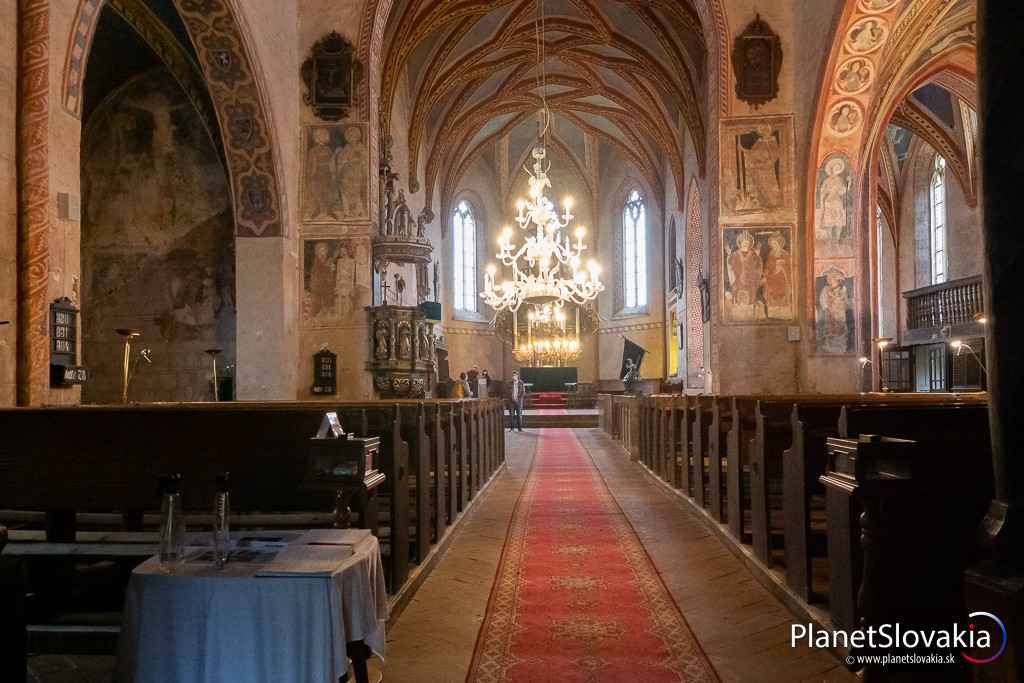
(549,379)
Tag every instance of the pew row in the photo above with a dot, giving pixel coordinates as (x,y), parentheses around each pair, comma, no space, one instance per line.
(80,503)
(753,466)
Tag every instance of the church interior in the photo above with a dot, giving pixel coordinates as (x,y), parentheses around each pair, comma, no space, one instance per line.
(510,340)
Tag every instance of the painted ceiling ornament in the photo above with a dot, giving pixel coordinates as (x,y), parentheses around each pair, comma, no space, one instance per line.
(757,61)
(331,74)
(855,76)
(867,35)
(877,5)
(844,118)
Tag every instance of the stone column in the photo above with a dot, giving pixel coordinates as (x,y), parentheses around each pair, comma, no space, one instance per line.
(33,199)
(997,586)
(1000,25)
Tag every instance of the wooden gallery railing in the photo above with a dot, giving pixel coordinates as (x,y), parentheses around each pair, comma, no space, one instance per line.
(950,304)
(756,468)
(80,483)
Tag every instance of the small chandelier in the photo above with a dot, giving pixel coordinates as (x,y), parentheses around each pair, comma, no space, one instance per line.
(547,341)
(538,264)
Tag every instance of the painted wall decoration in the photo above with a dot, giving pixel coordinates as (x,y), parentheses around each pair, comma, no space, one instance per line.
(844,118)
(835,328)
(232,80)
(157,243)
(758,267)
(877,5)
(833,208)
(757,172)
(867,35)
(336,280)
(336,181)
(855,76)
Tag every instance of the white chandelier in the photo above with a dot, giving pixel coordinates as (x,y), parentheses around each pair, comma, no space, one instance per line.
(538,274)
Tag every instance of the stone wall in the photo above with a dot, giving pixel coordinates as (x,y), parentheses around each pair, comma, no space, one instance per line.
(157,244)
(335,283)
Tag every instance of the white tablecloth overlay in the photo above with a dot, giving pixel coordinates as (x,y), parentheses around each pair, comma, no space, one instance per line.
(201,625)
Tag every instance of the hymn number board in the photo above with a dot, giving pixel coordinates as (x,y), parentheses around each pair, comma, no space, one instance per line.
(63,332)
(64,370)
(325,372)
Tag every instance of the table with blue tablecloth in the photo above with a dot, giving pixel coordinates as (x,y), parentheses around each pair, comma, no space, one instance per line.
(200,624)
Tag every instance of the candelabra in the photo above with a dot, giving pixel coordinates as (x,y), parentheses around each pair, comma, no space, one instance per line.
(538,264)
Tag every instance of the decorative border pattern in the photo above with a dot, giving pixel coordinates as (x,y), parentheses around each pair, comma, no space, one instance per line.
(78,49)
(231,79)
(33,200)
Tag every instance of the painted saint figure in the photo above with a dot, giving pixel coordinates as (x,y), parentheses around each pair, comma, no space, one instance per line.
(320,189)
(760,165)
(777,286)
(845,120)
(833,303)
(855,76)
(832,202)
(867,38)
(350,164)
(322,289)
(745,271)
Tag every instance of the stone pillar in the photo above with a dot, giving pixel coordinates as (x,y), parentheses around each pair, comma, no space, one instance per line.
(1000,25)
(33,199)
(997,586)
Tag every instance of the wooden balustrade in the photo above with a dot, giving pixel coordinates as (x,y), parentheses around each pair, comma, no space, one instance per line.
(949,304)
(754,467)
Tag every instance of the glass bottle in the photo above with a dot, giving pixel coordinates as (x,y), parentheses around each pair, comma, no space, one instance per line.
(172,522)
(221,521)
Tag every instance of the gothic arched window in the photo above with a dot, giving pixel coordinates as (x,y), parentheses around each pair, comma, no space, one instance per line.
(634,252)
(464,257)
(938,220)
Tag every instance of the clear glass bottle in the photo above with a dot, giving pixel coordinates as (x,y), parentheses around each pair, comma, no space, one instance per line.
(221,520)
(172,522)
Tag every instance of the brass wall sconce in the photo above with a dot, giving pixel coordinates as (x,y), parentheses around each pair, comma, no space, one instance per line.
(959,345)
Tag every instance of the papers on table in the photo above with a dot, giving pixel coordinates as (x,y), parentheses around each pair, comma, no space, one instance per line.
(300,559)
(350,537)
(253,555)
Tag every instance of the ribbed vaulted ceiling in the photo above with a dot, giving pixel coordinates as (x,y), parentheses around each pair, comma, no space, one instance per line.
(623,75)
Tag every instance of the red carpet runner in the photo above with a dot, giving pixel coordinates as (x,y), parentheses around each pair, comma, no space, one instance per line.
(576,597)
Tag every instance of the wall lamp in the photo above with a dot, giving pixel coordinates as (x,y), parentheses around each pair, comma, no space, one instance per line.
(959,345)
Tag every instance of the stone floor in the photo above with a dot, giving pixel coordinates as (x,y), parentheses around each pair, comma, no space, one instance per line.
(741,626)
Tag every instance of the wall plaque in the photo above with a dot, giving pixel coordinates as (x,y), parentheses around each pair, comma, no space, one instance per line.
(325,372)
(64,370)
(757,61)
(330,74)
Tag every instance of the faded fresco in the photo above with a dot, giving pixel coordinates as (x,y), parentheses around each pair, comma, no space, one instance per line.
(833,208)
(157,244)
(835,330)
(757,174)
(336,281)
(335,181)
(758,264)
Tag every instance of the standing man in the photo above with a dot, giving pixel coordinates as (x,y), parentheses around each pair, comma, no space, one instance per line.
(473,376)
(517,394)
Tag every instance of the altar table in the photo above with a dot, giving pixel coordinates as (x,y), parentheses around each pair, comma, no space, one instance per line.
(204,625)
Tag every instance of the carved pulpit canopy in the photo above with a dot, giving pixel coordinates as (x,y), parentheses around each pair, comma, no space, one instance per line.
(401,234)
(757,61)
(331,74)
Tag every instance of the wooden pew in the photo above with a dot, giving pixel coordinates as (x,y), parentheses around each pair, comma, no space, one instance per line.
(781,439)
(107,476)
